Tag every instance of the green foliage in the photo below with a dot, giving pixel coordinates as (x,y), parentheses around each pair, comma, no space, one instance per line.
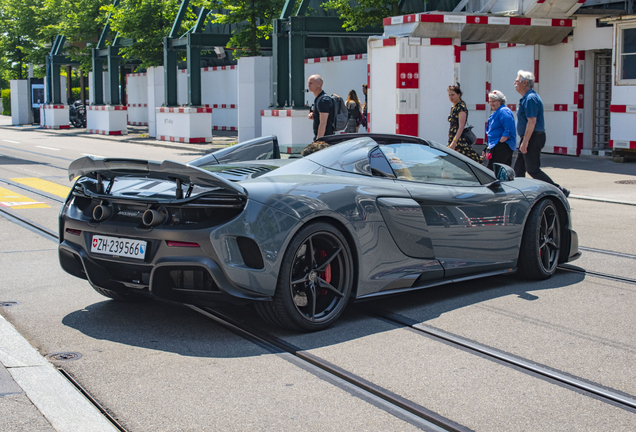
(22,41)
(146,22)
(75,92)
(364,12)
(6,101)
(254,19)
(81,21)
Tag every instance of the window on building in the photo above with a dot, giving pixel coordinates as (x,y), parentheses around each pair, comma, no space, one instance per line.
(626,65)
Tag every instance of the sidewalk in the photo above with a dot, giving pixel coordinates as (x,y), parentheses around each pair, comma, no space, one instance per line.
(34,396)
(136,135)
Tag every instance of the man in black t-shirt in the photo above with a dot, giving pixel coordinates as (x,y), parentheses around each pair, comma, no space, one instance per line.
(322,111)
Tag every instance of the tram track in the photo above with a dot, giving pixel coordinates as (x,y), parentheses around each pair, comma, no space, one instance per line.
(406,409)
(390,401)
(614,397)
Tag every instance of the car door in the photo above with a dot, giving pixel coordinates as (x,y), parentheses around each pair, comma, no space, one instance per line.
(473,227)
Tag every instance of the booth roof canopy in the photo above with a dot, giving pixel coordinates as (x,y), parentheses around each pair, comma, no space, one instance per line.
(480,28)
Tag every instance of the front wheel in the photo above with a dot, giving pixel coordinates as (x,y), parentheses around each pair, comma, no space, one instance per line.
(315,280)
(540,246)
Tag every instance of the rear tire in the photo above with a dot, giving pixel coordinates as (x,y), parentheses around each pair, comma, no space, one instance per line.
(541,242)
(128,297)
(315,280)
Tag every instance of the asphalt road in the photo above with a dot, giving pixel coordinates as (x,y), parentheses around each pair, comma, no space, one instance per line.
(159,366)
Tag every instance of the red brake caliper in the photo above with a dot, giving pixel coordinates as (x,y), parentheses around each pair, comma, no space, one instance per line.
(326,275)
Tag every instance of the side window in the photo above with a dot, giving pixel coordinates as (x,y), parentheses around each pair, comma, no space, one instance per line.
(251,150)
(421,163)
(626,67)
(379,165)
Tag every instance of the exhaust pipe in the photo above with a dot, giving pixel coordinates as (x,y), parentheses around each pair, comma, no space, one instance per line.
(102,212)
(152,218)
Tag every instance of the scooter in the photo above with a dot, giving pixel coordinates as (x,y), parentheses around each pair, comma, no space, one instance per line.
(77,114)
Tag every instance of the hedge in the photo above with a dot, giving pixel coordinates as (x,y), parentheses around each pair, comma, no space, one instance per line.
(6,101)
(75,93)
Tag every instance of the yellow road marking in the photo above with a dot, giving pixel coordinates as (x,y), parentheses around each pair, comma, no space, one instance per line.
(16,201)
(44,185)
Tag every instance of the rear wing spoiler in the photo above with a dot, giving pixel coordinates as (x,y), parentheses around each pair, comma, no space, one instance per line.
(167,170)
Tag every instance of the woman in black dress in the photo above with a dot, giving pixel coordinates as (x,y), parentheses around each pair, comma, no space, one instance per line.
(457,119)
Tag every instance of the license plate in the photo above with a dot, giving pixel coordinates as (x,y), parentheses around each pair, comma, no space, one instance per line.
(118,246)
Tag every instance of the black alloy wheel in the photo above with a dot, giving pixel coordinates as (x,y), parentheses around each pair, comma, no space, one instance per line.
(540,247)
(315,280)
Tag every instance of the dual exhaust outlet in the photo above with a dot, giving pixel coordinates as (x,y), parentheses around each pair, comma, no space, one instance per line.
(150,218)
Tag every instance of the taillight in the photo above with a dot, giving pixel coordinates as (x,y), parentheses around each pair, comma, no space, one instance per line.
(73,231)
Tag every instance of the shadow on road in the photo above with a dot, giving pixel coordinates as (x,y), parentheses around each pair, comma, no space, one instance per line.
(169,327)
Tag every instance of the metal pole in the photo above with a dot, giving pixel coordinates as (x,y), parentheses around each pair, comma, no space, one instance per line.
(82,87)
(170,73)
(98,79)
(194,70)
(69,83)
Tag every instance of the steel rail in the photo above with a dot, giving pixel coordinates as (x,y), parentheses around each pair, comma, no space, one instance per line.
(617,397)
(597,274)
(607,252)
(30,224)
(32,190)
(431,419)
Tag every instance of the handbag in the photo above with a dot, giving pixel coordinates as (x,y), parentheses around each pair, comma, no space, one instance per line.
(469,135)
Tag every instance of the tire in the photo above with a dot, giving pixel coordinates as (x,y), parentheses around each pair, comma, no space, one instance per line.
(541,242)
(128,297)
(313,288)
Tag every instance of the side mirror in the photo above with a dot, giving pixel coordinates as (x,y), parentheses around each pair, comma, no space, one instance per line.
(503,172)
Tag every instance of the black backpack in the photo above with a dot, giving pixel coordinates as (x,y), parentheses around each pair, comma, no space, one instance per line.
(340,112)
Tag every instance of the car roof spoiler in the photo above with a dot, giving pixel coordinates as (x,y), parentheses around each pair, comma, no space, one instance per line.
(166,170)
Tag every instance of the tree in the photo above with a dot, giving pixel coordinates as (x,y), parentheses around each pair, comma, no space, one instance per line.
(146,22)
(254,19)
(363,13)
(82,22)
(22,40)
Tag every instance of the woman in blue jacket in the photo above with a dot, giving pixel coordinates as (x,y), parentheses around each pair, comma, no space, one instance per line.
(501,131)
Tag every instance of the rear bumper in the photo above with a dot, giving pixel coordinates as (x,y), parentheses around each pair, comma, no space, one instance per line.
(190,279)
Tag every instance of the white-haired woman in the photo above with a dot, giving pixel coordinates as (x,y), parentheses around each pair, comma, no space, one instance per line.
(501,131)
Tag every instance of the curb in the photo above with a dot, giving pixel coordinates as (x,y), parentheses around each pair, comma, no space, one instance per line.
(65,408)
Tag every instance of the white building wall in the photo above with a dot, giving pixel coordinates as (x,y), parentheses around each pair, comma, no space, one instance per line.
(339,76)
(219,90)
(254,89)
(137,95)
(589,37)
(557,85)
(382,94)
(437,72)
(182,87)
(156,96)
(20,109)
(472,81)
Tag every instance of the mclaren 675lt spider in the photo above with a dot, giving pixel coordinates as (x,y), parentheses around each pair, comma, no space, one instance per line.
(371,215)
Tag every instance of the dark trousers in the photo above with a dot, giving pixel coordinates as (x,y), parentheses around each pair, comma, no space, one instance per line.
(501,153)
(530,162)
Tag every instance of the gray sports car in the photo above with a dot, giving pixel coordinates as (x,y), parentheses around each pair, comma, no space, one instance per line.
(301,237)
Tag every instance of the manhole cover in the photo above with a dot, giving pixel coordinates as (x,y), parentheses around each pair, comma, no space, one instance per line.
(63,356)
(626,182)
(8,303)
